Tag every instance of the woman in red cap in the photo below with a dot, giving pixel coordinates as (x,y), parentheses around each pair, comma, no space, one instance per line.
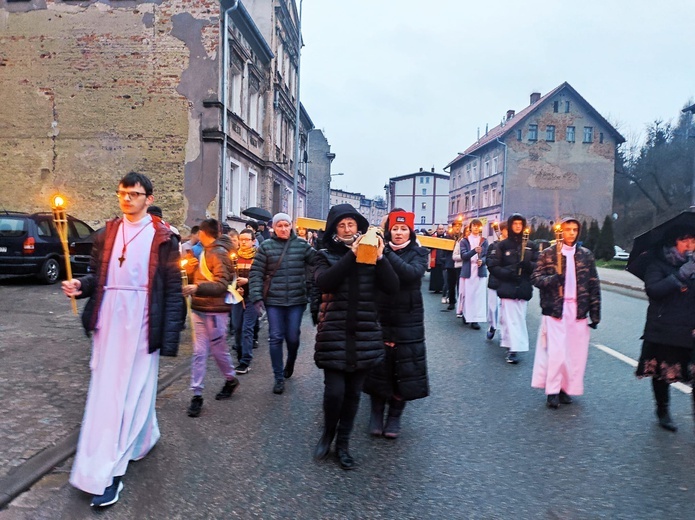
(402,376)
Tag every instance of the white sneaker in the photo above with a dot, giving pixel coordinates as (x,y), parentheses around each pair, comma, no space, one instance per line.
(445,299)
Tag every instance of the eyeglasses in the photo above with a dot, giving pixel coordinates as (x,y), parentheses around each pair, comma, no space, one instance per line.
(121,194)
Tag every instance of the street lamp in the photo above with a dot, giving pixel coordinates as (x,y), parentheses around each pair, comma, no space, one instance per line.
(328,191)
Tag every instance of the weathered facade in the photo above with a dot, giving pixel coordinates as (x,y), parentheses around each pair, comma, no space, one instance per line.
(554,158)
(97,88)
(318,175)
(424,193)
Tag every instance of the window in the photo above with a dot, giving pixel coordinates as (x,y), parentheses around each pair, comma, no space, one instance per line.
(556,106)
(424,191)
(600,137)
(466,202)
(494,164)
(518,135)
(253,189)
(485,198)
(422,180)
(567,107)
(550,133)
(570,134)
(487,167)
(422,220)
(588,134)
(424,205)
(532,132)
(493,196)
(473,201)
(427,180)
(468,173)
(475,171)
(452,206)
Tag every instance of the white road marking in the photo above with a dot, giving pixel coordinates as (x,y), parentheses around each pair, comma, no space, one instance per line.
(622,357)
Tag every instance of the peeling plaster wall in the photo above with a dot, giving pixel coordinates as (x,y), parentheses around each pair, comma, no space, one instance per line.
(95,89)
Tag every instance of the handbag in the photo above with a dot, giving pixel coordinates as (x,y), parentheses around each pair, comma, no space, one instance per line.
(269,276)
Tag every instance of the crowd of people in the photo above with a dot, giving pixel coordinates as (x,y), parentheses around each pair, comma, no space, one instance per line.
(369,316)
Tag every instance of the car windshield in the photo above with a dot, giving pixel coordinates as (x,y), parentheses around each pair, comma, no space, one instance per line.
(12,227)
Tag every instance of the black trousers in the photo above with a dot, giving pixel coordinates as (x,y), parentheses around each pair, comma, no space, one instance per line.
(452,276)
(341,400)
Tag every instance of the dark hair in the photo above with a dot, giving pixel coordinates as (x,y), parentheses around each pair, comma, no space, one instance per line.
(503,225)
(210,227)
(475,222)
(155,210)
(233,232)
(247,231)
(226,228)
(133,178)
(253,224)
(678,233)
(195,229)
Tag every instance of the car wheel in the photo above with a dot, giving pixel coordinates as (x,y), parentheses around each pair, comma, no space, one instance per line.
(50,271)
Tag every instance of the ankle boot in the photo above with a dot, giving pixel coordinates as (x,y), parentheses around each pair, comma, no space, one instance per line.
(661,395)
(324,445)
(393,421)
(376,419)
(344,458)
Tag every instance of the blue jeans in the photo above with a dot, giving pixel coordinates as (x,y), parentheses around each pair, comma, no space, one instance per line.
(244,319)
(283,325)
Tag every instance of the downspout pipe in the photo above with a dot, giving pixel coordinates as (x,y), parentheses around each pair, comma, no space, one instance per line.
(504,179)
(224,88)
(295,166)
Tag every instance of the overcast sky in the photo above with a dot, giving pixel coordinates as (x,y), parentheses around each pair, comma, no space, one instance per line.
(401,85)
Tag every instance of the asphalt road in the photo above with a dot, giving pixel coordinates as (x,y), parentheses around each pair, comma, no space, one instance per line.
(483,445)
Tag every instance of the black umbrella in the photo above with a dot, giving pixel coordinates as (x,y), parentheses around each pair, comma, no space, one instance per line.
(257,213)
(646,245)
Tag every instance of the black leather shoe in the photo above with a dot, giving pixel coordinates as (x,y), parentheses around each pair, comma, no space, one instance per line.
(553,401)
(323,447)
(667,423)
(289,369)
(450,307)
(491,333)
(475,326)
(345,459)
(564,398)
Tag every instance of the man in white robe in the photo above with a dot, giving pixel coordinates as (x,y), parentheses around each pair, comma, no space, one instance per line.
(569,290)
(493,301)
(134,312)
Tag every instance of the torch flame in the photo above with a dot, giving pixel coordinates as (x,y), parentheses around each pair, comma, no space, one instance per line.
(58,201)
(184,261)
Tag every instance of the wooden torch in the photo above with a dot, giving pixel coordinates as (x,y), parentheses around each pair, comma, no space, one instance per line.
(60,219)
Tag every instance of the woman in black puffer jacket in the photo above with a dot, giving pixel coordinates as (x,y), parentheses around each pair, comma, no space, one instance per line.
(667,350)
(403,374)
(349,340)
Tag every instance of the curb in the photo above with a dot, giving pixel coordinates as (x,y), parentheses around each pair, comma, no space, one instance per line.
(23,477)
(638,291)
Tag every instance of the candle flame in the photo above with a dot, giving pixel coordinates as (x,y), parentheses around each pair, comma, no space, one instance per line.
(184,261)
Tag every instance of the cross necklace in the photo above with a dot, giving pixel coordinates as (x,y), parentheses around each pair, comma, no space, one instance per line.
(121,258)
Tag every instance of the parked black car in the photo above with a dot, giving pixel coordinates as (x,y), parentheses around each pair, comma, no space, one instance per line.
(29,244)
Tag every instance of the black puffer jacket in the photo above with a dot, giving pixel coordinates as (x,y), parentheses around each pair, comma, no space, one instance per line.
(404,370)
(348,334)
(513,275)
(670,316)
(166,303)
(289,282)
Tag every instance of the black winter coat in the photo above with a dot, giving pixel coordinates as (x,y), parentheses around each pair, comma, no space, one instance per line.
(513,276)
(348,334)
(404,369)
(288,285)
(165,299)
(670,316)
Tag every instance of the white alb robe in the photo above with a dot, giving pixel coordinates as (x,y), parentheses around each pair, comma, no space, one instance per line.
(119,422)
(475,289)
(562,348)
(513,324)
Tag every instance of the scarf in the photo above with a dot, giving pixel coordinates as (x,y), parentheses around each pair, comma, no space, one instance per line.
(347,241)
(396,248)
(247,253)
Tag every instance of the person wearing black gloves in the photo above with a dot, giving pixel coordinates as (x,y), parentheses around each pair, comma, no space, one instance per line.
(349,340)
(667,348)
(570,290)
(402,376)
(512,263)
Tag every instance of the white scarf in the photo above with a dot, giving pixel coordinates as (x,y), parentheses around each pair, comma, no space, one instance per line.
(396,248)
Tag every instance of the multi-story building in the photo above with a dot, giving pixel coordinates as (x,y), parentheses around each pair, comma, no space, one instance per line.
(373,210)
(424,193)
(201,96)
(318,175)
(554,158)
(346,197)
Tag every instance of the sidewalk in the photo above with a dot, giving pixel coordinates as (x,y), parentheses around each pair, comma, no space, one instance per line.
(613,278)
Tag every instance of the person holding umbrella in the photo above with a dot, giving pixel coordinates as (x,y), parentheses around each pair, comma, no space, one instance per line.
(668,271)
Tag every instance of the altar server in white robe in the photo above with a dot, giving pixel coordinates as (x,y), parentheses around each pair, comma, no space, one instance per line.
(570,291)
(474,275)
(134,313)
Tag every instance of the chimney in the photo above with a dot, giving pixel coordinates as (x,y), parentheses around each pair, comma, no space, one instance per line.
(420,169)
(510,114)
(432,169)
(535,96)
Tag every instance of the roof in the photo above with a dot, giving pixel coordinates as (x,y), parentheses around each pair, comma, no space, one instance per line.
(507,126)
(417,174)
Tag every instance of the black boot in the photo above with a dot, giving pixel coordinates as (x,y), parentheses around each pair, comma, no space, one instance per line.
(393,421)
(376,419)
(344,458)
(661,394)
(323,447)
